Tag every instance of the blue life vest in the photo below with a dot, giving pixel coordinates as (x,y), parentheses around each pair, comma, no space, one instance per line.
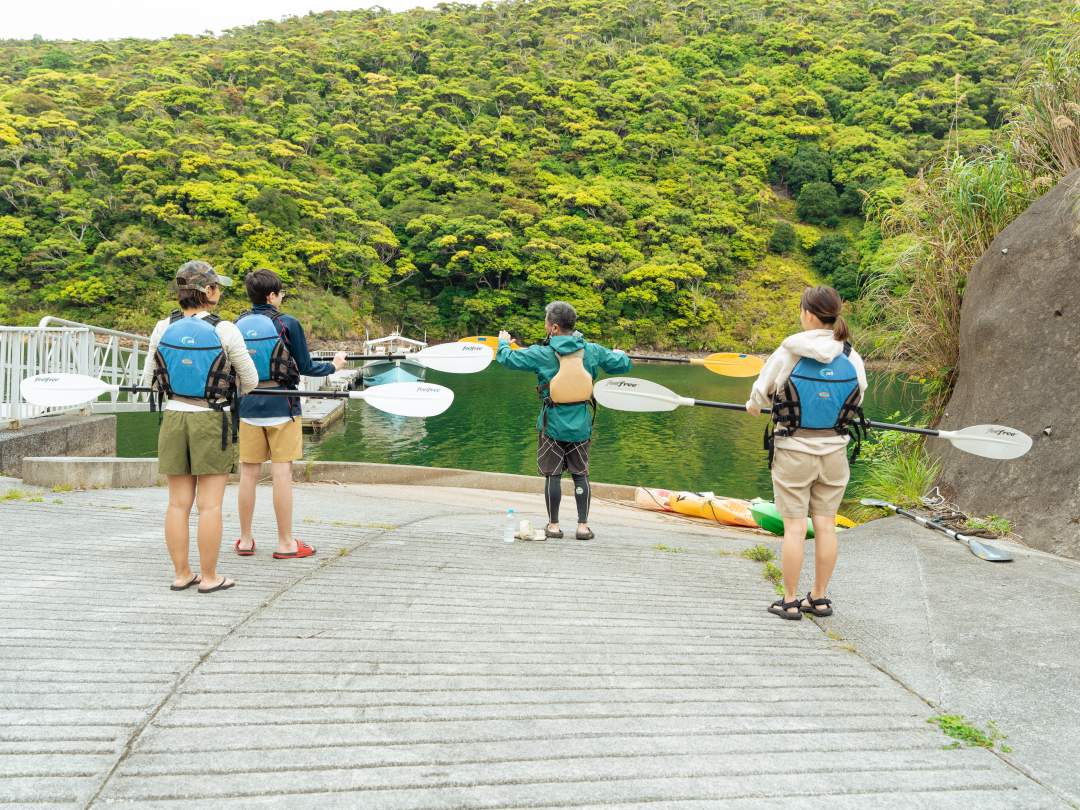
(191,362)
(266,341)
(819,396)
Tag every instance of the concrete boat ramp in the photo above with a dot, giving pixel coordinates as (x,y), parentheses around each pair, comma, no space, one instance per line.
(419,662)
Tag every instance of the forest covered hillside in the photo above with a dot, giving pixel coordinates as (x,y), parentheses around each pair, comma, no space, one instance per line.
(677,170)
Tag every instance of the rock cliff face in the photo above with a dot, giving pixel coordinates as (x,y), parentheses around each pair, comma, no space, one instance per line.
(1020,366)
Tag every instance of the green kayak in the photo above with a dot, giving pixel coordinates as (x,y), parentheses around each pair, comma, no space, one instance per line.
(768,518)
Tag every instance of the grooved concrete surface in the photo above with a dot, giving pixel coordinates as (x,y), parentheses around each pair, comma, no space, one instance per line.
(419,662)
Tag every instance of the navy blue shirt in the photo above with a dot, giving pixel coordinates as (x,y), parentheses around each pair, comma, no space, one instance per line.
(255,407)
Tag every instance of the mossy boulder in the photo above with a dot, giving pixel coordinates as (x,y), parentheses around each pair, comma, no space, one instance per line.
(1020,366)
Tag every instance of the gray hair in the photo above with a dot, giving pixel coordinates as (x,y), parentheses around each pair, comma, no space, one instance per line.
(561,314)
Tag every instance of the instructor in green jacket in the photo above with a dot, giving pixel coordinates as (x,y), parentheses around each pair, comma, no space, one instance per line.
(566,366)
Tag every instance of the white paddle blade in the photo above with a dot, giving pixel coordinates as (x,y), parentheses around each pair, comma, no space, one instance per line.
(989,441)
(407,398)
(63,390)
(456,358)
(633,394)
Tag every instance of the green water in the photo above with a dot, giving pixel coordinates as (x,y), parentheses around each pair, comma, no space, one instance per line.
(491,426)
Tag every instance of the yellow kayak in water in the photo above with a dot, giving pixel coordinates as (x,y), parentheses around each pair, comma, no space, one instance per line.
(729,511)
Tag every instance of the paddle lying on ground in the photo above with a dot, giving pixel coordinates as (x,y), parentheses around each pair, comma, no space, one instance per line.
(455,358)
(729,364)
(980,549)
(631,394)
(402,399)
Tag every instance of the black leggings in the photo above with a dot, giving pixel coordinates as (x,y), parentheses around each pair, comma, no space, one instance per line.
(553,496)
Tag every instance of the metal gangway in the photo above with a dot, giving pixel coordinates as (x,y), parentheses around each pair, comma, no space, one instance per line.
(57,345)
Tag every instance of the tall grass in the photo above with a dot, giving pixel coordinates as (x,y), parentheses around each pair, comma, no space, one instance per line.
(953,210)
(899,470)
(1044,132)
(956,207)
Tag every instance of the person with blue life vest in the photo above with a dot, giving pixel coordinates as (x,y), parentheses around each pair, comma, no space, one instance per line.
(565,365)
(270,428)
(201,364)
(814,384)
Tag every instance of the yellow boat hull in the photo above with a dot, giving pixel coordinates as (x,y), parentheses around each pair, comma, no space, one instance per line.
(729,511)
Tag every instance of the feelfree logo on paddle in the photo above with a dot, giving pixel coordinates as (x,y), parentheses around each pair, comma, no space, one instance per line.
(1003,432)
(624,384)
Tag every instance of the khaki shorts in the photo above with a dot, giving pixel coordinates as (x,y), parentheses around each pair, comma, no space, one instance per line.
(804,483)
(284,442)
(190,444)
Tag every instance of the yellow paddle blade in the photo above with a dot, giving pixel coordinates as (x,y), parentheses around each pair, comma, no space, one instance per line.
(731,364)
(490,341)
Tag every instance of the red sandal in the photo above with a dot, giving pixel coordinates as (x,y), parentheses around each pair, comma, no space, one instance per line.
(302,550)
(244,552)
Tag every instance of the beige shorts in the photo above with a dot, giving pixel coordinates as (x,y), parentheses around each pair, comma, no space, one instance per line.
(804,483)
(284,442)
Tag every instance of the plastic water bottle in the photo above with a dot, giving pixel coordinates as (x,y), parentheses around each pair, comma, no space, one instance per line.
(508,531)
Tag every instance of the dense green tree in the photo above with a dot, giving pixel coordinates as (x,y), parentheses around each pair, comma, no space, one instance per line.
(818,204)
(783,238)
(449,169)
(835,258)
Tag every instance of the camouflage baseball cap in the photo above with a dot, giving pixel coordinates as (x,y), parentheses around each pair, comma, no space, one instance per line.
(198,275)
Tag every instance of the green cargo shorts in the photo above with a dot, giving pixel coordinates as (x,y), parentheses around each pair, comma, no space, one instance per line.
(190,444)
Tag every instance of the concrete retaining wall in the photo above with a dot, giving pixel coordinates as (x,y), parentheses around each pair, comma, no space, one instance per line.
(57,436)
(87,473)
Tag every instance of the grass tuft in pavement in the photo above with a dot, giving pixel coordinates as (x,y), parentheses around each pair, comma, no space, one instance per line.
(966,734)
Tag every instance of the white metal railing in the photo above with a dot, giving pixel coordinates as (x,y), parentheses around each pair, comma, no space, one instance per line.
(58,345)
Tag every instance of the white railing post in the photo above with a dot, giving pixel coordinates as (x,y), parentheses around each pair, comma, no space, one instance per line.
(57,345)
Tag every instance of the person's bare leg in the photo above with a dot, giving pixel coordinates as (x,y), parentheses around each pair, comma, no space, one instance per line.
(791,557)
(245,502)
(181,498)
(824,554)
(208,495)
(283,505)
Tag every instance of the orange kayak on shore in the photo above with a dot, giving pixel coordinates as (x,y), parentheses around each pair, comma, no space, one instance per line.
(729,511)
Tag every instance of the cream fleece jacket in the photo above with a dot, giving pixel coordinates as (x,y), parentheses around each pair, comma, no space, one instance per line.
(820,345)
(233,342)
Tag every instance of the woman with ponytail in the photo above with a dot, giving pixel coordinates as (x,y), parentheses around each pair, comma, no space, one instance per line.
(814,384)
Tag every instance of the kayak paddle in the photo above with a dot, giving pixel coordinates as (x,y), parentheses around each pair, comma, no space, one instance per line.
(980,549)
(402,398)
(729,364)
(632,394)
(456,358)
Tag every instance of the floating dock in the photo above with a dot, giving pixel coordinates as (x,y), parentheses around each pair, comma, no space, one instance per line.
(319,414)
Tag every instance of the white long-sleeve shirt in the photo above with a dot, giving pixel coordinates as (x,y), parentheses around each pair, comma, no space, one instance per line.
(817,344)
(232,341)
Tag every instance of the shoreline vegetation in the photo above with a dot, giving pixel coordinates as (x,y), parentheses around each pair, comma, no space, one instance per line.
(678,173)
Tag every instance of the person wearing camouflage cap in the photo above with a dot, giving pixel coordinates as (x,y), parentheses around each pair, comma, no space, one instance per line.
(201,364)
(200,276)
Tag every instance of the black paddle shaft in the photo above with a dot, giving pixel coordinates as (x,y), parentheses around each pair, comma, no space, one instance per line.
(370,356)
(262,392)
(731,406)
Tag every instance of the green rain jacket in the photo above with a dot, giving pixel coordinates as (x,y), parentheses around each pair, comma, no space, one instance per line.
(566,423)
